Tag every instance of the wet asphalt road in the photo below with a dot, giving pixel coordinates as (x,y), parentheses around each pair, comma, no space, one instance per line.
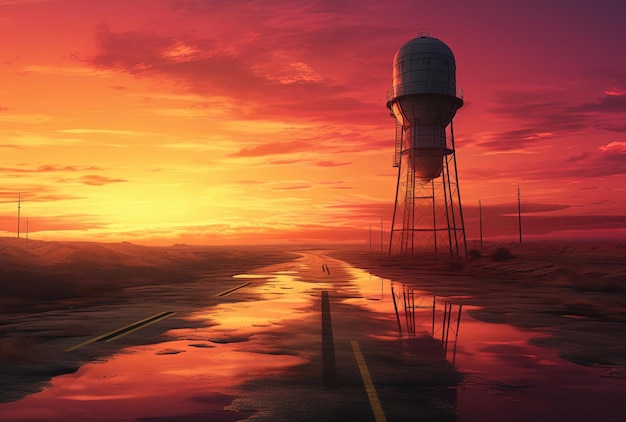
(311,339)
(296,341)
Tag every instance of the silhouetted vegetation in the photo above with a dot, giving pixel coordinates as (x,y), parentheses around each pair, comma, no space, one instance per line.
(501,254)
(474,253)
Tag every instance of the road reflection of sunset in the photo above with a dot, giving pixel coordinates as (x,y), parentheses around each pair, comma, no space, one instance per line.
(503,371)
(155,380)
(207,362)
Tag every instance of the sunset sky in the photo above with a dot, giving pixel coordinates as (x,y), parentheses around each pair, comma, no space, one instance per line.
(235,121)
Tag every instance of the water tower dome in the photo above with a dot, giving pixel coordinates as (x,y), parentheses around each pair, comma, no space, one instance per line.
(424,65)
(424,98)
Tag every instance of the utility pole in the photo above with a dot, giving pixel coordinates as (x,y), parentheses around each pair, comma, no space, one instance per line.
(19,206)
(480,219)
(381,233)
(519,213)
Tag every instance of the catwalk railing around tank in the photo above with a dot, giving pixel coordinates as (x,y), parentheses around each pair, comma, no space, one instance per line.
(425,87)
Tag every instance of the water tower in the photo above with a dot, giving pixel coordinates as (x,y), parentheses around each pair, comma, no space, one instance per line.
(424,98)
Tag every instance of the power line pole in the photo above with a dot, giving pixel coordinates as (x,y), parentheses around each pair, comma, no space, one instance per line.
(480,219)
(519,213)
(19,206)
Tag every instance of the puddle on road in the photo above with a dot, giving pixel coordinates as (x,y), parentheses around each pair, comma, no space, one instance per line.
(506,378)
(283,298)
(521,382)
(194,375)
(252,276)
(169,379)
(199,370)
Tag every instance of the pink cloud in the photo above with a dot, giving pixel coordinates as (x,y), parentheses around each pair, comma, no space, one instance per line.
(35,193)
(610,103)
(274,148)
(332,163)
(537,219)
(616,147)
(615,91)
(270,83)
(94,180)
(285,162)
(52,198)
(249,182)
(578,157)
(371,211)
(331,182)
(607,163)
(47,168)
(292,186)
(539,115)
(36,224)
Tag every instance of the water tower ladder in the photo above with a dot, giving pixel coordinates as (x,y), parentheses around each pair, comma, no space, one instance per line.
(398,150)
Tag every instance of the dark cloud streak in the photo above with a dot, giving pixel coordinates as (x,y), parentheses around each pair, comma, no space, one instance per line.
(543,118)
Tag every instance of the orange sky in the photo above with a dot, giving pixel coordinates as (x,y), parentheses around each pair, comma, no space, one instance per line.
(185,121)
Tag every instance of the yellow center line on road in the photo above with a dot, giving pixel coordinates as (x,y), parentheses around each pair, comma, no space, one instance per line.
(377,408)
(137,324)
(229,291)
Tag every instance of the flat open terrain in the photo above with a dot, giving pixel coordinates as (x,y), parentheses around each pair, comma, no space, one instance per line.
(127,332)
(577,291)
